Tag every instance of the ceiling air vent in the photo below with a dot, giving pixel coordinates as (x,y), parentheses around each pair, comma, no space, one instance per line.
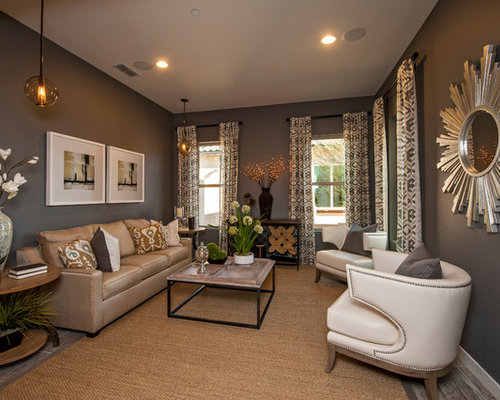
(126,70)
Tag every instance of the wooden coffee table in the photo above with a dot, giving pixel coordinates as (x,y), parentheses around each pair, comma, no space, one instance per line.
(227,276)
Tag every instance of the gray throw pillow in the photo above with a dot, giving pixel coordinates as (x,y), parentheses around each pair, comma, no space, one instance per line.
(419,264)
(353,242)
(107,251)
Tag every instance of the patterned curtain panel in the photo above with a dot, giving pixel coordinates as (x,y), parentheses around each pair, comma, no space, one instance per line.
(409,226)
(300,202)
(357,180)
(228,134)
(380,155)
(188,173)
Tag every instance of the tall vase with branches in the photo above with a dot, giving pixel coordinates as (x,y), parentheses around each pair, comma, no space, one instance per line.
(265,174)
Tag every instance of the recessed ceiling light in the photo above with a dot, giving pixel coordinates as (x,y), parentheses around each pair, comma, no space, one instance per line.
(161,64)
(328,39)
(354,34)
(143,65)
(195,12)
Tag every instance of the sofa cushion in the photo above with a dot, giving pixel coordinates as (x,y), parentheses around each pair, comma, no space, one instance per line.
(354,319)
(50,241)
(149,264)
(78,254)
(136,223)
(338,259)
(107,250)
(148,239)
(174,254)
(116,282)
(119,230)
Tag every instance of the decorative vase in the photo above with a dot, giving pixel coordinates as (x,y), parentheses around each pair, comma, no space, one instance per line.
(243,260)
(266,202)
(5,239)
(9,339)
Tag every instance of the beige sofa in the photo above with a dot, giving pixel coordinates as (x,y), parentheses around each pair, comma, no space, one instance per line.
(87,300)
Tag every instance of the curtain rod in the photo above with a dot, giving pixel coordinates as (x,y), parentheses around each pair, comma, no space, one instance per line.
(208,125)
(386,92)
(330,116)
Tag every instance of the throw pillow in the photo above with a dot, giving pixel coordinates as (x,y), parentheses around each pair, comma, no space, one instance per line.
(78,254)
(148,239)
(170,232)
(420,264)
(353,242)
(107,250)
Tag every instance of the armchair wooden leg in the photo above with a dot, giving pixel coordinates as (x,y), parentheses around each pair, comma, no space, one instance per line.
(331,358)
(431,387)
(318,275)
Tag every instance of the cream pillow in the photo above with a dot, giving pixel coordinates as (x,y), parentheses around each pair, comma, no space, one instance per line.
(78,254)
(170,232)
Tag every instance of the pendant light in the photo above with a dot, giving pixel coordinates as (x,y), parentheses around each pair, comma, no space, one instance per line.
(183,145)
(38,88)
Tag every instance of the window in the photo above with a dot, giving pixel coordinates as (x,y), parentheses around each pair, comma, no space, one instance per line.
(328,175)
(209,195)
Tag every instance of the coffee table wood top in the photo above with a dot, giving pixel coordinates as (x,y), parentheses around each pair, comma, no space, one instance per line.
(228,274)
(11,285)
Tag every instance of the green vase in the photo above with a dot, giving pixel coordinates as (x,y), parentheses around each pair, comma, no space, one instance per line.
(5,239)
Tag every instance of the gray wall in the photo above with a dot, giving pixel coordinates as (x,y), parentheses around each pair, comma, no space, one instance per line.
(265,133)
(456,31)
(92,106)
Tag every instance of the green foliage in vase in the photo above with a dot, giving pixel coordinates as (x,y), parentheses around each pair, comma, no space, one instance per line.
(25,310)
(215,253)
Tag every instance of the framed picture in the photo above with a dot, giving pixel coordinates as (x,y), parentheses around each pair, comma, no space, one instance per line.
(125,176)
(75,171)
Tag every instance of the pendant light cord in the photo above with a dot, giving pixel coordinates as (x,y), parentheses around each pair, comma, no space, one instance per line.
(41,38)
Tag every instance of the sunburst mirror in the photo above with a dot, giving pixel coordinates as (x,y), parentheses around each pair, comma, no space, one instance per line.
(471,152)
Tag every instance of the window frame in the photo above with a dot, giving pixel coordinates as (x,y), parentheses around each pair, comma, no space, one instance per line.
(330,184)
(207,185)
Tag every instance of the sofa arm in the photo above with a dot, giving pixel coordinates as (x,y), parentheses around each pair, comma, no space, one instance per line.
(430,314)
(77,298)
(374,240)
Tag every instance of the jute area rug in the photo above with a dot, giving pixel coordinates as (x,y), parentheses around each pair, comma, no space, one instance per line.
(145,355)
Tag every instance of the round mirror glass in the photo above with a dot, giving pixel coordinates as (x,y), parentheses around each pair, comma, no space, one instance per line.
(479,145)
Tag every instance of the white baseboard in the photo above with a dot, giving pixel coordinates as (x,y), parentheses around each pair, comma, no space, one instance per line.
(478,371)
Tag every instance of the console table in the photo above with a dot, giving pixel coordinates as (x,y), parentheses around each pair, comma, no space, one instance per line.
(281,241)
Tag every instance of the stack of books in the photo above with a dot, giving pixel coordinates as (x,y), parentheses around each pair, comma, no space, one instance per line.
(25,271)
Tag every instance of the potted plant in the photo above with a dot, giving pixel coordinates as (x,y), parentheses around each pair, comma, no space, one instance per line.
(19,312)
(243,230)
(215,254)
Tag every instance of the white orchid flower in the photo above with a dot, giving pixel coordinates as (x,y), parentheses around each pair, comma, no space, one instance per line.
(235,205)
(245,209)
(5,153)
(233,219)
(10,186)
(19,179)
(33,160)
(247,220)
(11,195)
(4,176)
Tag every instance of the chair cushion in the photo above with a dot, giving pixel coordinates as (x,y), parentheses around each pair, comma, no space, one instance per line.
(123,279)
(419,264)
(149,264)
(353,242)
(354,319)
(174,254)
(119,230)
(50,241)
(338,259)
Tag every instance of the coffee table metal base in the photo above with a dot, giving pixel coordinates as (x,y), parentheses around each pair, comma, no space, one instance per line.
(260,317)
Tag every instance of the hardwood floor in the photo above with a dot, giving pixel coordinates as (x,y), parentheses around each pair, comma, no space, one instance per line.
(459,384)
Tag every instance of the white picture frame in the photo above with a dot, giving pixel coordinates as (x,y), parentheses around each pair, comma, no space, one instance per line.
(125,176)
(75,171)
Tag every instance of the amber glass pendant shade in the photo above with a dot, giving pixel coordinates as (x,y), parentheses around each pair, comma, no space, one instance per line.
(183,147)
(41,91)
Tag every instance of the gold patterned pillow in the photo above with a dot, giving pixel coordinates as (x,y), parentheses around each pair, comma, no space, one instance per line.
(78,254)
(148,239)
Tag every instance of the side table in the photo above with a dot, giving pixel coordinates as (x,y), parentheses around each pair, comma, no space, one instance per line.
(35,339)
(193,234)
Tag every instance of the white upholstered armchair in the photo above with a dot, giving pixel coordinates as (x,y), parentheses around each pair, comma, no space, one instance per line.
(334,261)
(406,325)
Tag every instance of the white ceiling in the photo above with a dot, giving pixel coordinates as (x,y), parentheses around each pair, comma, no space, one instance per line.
(238,53)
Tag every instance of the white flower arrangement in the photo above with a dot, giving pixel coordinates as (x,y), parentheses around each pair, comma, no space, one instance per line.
(10,186)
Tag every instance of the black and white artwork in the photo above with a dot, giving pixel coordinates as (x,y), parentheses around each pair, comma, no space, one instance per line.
(125,176)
